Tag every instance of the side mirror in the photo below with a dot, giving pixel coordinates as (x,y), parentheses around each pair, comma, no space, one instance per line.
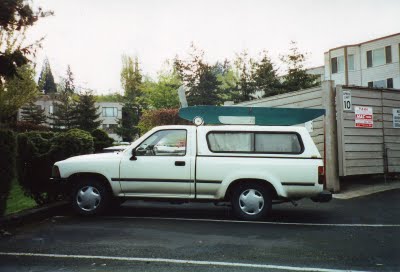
(133,157)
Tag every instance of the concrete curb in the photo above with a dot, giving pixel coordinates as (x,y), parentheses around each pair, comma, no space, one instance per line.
(32,215)
(367,190)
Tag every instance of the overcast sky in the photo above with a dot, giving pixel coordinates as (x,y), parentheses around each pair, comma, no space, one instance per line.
(91,35)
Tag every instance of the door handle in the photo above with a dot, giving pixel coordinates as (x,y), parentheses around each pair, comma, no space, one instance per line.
(180,163)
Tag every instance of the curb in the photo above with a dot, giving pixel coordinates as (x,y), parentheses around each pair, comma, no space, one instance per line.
(32,215)
(367,190)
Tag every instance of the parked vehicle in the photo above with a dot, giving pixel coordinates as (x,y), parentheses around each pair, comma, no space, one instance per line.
(251,167)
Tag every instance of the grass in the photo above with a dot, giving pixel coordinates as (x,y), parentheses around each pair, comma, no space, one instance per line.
(17,201)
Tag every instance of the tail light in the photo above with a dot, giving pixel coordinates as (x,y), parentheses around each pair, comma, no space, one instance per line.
(321,175)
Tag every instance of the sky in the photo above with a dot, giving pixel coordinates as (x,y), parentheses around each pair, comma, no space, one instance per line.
(92,35)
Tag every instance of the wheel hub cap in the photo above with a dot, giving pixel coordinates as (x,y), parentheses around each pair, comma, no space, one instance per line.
(88,198)
(251,202)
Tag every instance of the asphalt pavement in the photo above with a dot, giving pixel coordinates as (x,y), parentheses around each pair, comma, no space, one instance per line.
(361,234)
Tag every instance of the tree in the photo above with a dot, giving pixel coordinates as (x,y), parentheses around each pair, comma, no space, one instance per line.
(163,93)
(127,125)
(245,88)
(86,112)
(297,77)
(16,92)
(46,79)
(200,78)
(65,112)
(131,78)
(264,77)
(33,114)
(131,81)
(69,82)
(160,117)
(16,17)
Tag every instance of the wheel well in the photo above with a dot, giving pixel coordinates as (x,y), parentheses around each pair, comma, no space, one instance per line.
(239,182)
(74,179)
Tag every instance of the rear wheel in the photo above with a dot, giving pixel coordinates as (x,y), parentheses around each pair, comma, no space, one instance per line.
(251,201)
(90,197)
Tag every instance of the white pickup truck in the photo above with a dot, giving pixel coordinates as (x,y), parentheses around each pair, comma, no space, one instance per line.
(251,167)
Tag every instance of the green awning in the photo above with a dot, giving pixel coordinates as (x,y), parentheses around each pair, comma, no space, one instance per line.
(215,115)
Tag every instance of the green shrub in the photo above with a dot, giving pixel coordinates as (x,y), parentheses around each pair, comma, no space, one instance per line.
(38,151)
(74,142)
(101,140)
(7,165)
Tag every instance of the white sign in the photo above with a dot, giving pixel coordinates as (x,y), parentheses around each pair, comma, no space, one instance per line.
(347,101)
(364,117)
(396,118)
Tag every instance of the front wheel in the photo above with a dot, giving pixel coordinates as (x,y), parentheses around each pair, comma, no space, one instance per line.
(90,197)
(251,201)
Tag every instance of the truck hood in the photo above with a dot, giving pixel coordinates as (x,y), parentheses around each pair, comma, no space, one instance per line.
(101,156)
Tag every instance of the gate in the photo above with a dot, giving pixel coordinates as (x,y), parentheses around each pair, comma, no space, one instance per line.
(368,130)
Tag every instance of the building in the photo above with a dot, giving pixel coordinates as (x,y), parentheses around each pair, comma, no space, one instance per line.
(110,113)
(373,63)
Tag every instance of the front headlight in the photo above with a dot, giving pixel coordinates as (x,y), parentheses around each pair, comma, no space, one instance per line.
(55,172)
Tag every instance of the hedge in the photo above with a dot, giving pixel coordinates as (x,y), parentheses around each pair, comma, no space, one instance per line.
(101,140)
(7,165)
(38,151)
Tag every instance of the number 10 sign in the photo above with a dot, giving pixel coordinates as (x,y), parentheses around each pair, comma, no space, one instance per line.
(347,101)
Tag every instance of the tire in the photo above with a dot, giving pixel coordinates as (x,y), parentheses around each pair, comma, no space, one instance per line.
(251,201)
(90,197)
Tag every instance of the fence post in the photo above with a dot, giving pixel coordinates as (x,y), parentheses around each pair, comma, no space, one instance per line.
(331,152)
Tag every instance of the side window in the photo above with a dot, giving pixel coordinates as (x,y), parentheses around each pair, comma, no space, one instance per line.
(277,143)
(255,142)
(231,142)
(164,143)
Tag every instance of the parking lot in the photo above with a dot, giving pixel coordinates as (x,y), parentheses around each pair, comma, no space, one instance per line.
(360,234)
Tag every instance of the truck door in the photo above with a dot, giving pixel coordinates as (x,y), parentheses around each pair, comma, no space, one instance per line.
(162,166)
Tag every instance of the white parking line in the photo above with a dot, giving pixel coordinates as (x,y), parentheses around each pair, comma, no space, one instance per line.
(252,222)
(175,261)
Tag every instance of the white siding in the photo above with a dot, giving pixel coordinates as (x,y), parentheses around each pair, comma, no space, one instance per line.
(362,75)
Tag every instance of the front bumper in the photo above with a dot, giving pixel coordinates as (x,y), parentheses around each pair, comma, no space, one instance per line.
(324,196)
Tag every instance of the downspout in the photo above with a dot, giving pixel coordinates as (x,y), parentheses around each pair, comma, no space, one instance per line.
(346,68)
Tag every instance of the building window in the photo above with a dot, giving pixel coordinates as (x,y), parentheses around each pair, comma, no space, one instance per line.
(370,84)
(110,112)
(337,64)
(389,83)
(369,58)
(350,62)
(388,54)
(52,109)
(379,56)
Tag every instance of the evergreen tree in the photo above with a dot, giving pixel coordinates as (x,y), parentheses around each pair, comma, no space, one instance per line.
(46,79)
(33,114)
(245,85)
(69,82)
(86,112)
(127,125)
(297,77)
(64,112)
(200,78)
(264,77)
